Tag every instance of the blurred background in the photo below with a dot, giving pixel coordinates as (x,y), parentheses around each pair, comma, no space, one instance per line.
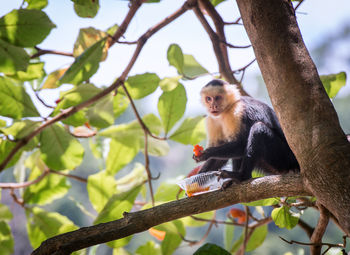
(325,26)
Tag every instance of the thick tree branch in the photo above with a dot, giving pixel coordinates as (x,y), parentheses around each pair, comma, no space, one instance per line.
(260,188)
(306,114)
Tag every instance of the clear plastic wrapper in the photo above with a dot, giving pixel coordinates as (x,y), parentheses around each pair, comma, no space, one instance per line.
(201,183)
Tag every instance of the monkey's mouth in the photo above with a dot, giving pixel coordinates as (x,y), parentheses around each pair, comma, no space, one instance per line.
(215,113)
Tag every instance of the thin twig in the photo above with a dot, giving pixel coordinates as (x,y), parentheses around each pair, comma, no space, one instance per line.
(23,184)
(212,223)
(42,101)
(297,6)
(54,52)
(330,245)
(235,46)
(138,117)
(75,177)
(236,22)
(16,199)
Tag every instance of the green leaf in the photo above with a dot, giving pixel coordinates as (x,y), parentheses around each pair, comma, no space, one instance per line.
(12,58)
(112,30)
(133,129)
(85,65)
(121,152)
(50,188)
(20,129)
(210,248)
(52,80)
(2,123)
(176,57)
(74,97)
(229,231)
(96,147)
(101,115)
(256,239)
(333,83)
(15,102)
(149,248)
(100,186)
(86,8)
(5,213)
(284,218)
(169,84)
(117,205)
(6,239)
(24,27)
(156,147)
(119,251)
(59,150)
(6,147)
(36,4)
(142,85)
(135,178)
(191,68)
(42,225)
(174,230)
(172,106)
(88,37)
(192,131)
(263,202)
(120,104)
(166,192)
(34,71)
(216,2)
(185,64)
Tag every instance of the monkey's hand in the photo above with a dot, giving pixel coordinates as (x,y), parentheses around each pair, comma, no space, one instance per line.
(230,178)
(201,157)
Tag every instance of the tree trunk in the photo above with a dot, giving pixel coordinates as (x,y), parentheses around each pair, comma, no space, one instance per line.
(307,116)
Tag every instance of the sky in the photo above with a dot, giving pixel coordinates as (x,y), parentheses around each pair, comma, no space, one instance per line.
(317,20)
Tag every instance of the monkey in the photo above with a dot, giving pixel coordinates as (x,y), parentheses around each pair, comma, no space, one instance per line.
(244,130)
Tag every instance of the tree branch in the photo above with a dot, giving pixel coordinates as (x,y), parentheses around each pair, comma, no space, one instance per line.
(70,111)
(135,222)
(319,231)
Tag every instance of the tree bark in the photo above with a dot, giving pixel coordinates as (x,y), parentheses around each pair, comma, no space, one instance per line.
(255,189)
(306,114)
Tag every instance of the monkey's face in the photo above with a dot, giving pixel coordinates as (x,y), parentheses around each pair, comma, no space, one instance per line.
(213,99)
(219,99)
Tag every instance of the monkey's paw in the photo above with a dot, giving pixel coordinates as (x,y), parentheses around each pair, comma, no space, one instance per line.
(229,177)
(199,158)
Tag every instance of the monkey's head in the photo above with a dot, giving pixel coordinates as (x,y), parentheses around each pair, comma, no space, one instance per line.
(218,97)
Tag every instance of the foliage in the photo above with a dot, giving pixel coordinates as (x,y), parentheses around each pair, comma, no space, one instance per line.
(46,150)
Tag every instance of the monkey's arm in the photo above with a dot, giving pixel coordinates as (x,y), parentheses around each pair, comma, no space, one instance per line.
(229,150)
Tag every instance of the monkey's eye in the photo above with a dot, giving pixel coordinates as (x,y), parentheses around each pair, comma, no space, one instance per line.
(208,99)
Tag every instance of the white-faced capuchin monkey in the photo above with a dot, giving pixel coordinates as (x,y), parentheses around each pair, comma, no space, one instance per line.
(245,130)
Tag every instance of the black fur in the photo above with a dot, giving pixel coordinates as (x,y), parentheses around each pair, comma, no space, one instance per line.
(260,144)
(216,82)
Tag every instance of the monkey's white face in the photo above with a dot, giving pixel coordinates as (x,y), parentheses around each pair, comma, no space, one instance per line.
(214,104)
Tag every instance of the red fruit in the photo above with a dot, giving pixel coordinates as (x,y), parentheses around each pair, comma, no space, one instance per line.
(197,150)
(58,100)
(238,214)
